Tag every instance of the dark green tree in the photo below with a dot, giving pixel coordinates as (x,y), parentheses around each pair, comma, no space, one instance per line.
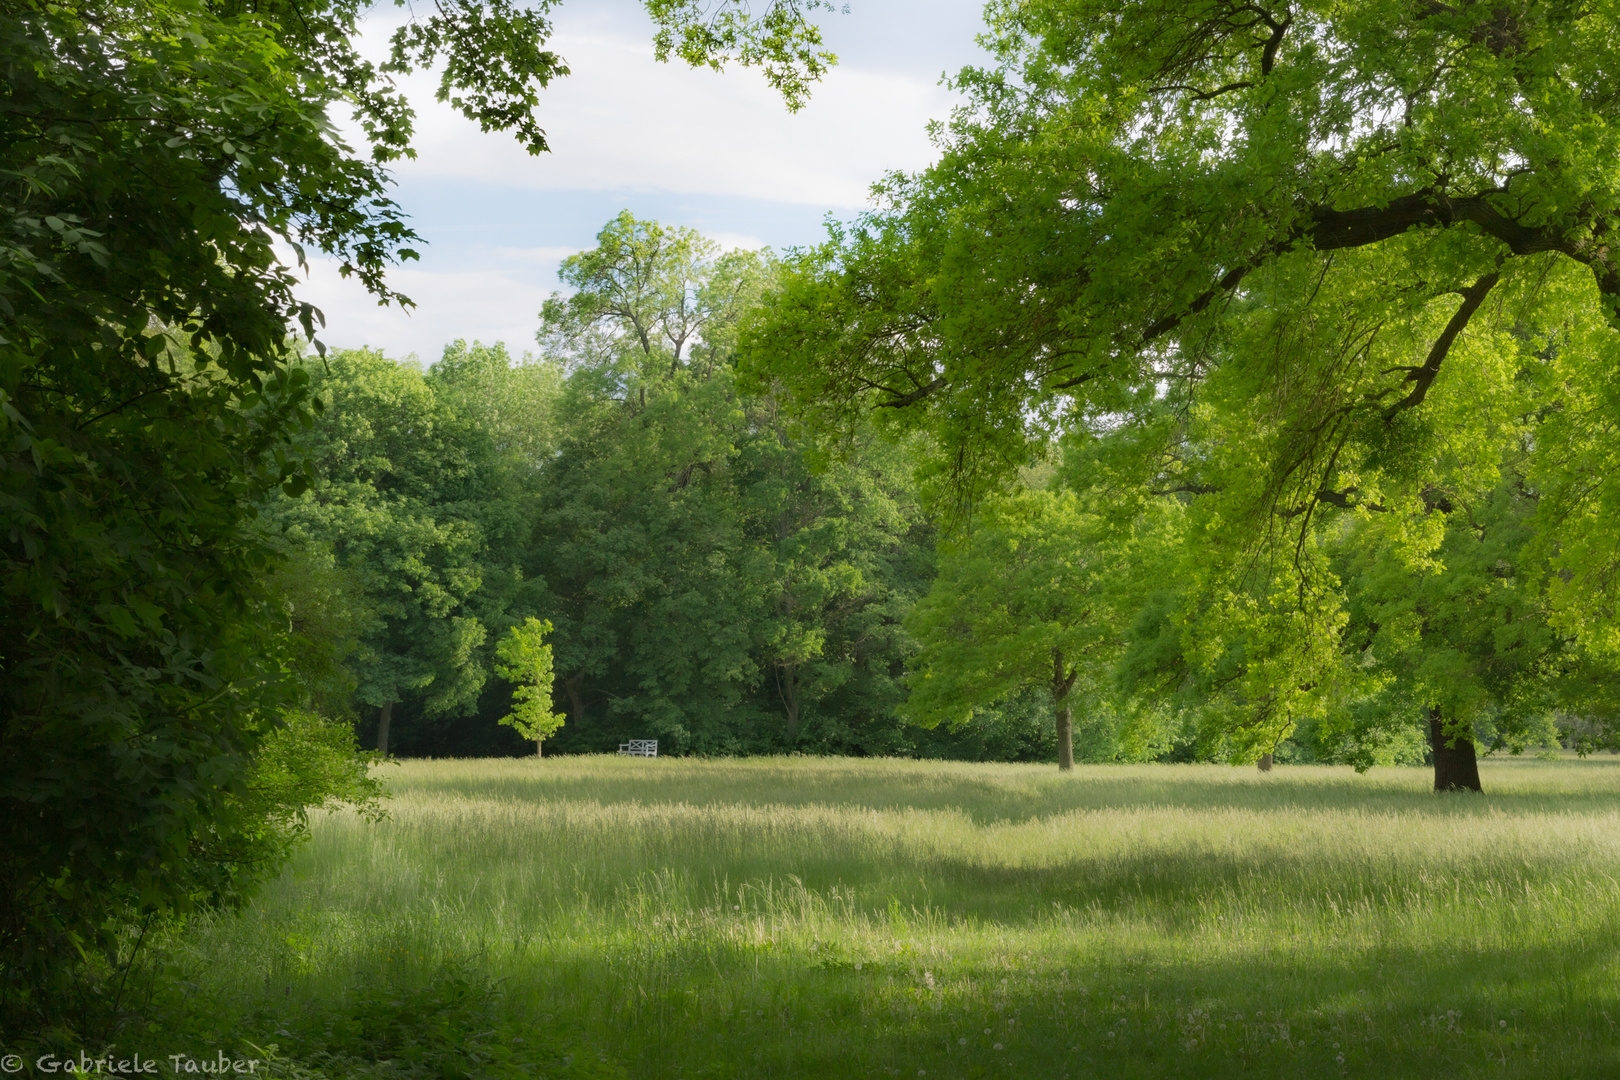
(708,584)
(151,154)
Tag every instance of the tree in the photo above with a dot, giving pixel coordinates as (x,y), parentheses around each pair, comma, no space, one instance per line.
(524,660)
(1020,600)
(1449,614)
(395,473)
(1262,238)
(1128,181)
(708,584)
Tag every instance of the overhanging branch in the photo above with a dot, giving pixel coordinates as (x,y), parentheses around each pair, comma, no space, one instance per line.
(1423,377)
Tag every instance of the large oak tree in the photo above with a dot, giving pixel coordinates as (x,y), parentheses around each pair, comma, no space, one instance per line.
(1255,238)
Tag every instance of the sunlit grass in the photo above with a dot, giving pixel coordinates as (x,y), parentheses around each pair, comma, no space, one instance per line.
(832,918)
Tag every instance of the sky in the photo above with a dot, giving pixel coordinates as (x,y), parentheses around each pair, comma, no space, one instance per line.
(718,153)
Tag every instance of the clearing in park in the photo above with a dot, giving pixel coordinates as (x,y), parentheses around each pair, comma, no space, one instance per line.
(800,917)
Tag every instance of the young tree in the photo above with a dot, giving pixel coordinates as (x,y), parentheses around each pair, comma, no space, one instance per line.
(524,659)
(1021,600)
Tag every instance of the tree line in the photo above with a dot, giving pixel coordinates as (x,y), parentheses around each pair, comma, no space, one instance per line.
(712,575)
(730,576)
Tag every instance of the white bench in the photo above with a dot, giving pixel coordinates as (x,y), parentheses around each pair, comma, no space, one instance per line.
(640,748)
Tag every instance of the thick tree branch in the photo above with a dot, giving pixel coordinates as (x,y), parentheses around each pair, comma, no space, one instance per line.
(1423,377)
(1268,56)
(900,401)
(1341,499)
(1331,230)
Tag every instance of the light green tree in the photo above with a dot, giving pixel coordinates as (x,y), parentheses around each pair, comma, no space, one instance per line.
(1286,261)
(1022,599)
(523,658)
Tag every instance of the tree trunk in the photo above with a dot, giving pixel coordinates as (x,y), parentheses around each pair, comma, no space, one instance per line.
(1456,768)
(575,686)
(1065,739)
(538,752)
(1265,762)
(385,713)
(1061,684)
(787,685)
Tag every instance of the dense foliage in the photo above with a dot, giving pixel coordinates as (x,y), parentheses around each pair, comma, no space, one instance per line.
(146,159)
(1330,282)
(713,580)
(154,639)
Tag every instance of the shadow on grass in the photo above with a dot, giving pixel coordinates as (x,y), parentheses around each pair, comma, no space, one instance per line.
(1526,1012)
(1030,795)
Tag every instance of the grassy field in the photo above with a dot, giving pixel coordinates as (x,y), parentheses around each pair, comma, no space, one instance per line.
(811,917)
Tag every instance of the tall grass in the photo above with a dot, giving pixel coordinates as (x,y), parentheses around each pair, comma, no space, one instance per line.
(843,918)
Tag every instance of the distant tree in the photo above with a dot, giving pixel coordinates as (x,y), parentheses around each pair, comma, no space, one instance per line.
(706,582)
(524,659)
(1448,614)
(398,474)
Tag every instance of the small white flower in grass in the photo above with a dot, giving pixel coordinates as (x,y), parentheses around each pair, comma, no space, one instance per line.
(961,1042)
(987,1031)
(1501,1023)
(1341,1059)
(922,1072)
(1110,1034)
(996,1047)
(857,965)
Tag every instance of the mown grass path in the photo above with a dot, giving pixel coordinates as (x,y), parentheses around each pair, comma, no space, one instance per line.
(849,918)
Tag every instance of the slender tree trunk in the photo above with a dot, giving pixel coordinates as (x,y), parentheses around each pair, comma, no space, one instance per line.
(538,752)
(1061,685)
(787,685)
(385,714)
(1265,762)
(1456,767)
(575,686)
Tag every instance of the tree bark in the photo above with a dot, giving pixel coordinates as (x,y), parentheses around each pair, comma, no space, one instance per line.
(1264,764)
(1065,736)
(1456,767)
(385,714)
(537,749)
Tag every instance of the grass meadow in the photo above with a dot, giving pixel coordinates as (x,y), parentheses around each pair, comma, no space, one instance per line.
(803,917)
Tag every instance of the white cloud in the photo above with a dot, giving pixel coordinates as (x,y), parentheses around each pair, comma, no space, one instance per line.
(623,121)
(718,151)
(487,305)
(730,241)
